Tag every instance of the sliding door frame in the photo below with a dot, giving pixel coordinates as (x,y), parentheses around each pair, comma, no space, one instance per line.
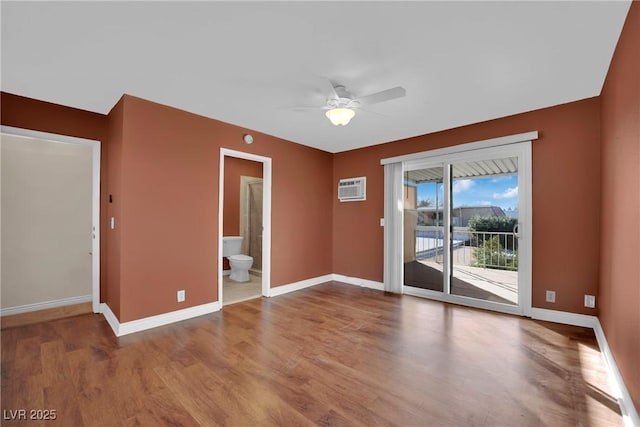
(510,146)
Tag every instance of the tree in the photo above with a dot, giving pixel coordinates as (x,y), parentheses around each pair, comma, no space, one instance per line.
(491,254)
(482,227)
(492,223)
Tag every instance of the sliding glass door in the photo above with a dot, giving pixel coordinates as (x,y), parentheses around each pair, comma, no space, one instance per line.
(484,222)
(465,218)
(423,247)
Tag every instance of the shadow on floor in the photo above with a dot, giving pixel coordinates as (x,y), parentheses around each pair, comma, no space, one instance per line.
(419,275)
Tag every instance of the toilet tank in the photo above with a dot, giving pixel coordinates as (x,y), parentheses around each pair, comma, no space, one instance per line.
(231,245)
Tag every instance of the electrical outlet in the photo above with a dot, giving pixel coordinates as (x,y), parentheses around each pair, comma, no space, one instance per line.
(551,296)
(181,296)
(590,301)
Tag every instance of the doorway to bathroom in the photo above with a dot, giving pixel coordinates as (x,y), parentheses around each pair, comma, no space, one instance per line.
(244,226)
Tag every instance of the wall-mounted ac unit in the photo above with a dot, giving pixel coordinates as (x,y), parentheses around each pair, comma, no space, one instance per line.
(352,189)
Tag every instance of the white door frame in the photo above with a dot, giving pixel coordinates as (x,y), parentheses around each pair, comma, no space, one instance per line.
(95,202)
(512,145)
(266,217)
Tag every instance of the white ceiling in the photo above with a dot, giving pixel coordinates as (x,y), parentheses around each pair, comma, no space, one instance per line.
(247,63)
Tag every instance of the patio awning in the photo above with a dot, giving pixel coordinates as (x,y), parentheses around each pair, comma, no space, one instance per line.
(493,167)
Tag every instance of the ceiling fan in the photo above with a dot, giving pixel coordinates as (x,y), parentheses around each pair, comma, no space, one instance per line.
(341,104)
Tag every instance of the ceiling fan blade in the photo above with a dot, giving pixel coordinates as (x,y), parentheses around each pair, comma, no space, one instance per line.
(372,112)
(385,95)
(329,90)
(302,108)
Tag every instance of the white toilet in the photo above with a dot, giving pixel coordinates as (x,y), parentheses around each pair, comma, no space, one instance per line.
(240,264)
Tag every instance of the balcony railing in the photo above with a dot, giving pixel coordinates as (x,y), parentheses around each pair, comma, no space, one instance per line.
(497,250)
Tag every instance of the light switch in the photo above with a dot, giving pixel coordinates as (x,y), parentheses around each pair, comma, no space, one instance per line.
(381,222)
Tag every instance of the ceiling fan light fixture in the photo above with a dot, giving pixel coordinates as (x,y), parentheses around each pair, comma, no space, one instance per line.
(340,116)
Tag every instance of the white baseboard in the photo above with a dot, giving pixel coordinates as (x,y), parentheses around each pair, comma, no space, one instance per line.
(567,318)
(111,318)
(45,305)
(296,286)
(284,289)
(120,329)
(621,393)
(629,413)
(365,283)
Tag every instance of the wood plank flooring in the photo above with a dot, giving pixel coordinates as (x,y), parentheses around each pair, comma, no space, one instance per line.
(330,355)
(45,315)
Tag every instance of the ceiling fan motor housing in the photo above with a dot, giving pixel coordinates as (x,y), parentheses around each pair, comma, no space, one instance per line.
(342,103)
(344,99)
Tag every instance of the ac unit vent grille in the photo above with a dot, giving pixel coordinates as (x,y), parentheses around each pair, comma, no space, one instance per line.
(352,189)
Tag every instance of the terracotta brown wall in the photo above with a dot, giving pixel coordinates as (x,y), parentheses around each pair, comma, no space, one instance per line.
(234,168)
(620,253)
(566,193)
(169,207)
(113,187)
(27,113)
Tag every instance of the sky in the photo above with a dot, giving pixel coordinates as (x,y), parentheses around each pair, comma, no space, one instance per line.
(499,191)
